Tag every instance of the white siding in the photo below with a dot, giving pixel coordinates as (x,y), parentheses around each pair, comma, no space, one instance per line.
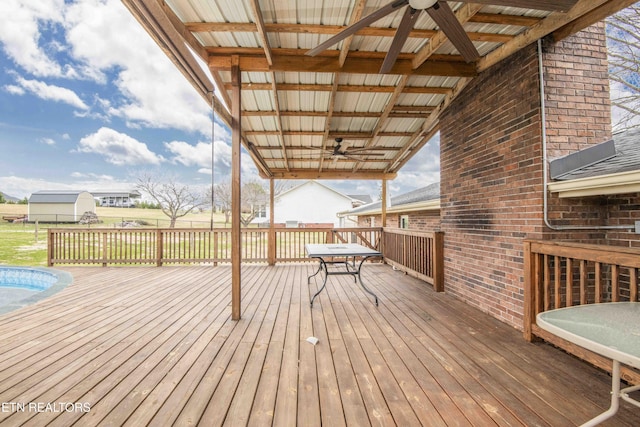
(311,203)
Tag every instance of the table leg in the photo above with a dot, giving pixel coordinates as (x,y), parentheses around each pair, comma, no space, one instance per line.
(323,265)
(317,271)
(362,284)
(615,396)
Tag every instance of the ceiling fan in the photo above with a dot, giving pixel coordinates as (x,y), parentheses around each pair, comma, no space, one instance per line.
(338,153)
(443,16)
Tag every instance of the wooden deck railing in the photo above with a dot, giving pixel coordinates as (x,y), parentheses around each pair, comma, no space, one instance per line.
(190,245)
(560,274)
(417,253)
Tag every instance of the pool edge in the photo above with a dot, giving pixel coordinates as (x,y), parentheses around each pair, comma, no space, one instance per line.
(64,280)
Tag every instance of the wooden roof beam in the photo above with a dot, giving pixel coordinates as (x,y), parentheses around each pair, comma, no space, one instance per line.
(546,26)
(329,174)
(346,43)
(486,18)
(385,114)
(344,88)
(394,114)
(327,123)
(321,64)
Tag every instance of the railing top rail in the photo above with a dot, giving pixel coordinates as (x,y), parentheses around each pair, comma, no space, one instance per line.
(265,229)
(407,232)
(619,255)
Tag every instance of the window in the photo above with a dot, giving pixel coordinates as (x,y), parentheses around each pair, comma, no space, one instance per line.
(404,221)
(261,211)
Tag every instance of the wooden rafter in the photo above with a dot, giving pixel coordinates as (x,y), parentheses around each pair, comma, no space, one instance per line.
(345,88)
(354,114)
(327,124)
(485,18)
(387,110)
(262,32)
(320,64)
(355,17)
(276,104)
(548,25)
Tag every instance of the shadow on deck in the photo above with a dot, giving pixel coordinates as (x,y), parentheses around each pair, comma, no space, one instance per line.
(157,346)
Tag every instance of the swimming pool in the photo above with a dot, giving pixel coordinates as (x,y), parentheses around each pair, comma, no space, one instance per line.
(21,286)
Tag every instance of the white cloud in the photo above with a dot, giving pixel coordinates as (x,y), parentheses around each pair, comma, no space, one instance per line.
(20,34)
(101,41)
(52,93)
(190,155)
(48,141)
(15,90)
(92,176)
(118,148)
(104,35)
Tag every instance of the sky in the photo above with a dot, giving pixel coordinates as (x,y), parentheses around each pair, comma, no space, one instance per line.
(82,109)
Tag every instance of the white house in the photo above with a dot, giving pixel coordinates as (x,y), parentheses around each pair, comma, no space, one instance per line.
(60,206)
(312,204)
(117,199)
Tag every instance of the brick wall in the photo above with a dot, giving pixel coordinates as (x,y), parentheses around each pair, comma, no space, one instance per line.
(419,220)
(623,209)
(491,165)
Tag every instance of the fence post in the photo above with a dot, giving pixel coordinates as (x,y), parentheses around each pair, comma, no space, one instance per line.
(438,261)
(50,247)
(271,248)
(158,247)
(529,292)
(104,248)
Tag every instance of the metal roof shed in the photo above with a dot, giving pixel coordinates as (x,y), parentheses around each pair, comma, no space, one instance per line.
(60,206)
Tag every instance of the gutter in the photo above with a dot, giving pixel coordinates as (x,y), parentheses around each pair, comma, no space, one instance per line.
(430,205)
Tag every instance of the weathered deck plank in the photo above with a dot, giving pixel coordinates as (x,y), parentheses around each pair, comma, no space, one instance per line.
(156,346)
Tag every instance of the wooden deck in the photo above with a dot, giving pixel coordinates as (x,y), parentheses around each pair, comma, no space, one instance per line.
(156,346)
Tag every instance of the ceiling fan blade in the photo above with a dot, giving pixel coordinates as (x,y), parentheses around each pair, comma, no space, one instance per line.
(352,29)
(553,5)
(364,151)
(406,25)
(348,157)
(442,14)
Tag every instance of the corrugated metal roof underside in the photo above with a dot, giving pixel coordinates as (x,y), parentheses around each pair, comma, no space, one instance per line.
(297,106)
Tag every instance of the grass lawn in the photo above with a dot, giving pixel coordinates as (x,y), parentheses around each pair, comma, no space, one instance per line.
(25,244)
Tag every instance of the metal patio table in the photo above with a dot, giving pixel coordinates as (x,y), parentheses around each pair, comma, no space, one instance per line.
(344,254)
(609,329)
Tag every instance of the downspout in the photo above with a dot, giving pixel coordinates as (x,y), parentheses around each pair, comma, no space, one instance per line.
(545,165)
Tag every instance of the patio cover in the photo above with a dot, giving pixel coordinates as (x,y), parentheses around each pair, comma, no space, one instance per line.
(294,106)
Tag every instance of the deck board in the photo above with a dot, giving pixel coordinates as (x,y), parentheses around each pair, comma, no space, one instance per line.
(157,346)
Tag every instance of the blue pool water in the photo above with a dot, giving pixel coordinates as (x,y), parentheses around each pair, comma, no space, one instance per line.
(20,286)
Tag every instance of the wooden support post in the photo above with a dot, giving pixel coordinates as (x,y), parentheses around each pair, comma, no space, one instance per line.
(272,228)
(529,292)
(236,237)
(384,203)
(159,250)
(50,251)
(438,261)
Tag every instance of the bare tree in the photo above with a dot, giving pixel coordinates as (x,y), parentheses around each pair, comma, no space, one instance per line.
(223,198)
(254,198)
(623,37)
(254,195)
(176,200)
